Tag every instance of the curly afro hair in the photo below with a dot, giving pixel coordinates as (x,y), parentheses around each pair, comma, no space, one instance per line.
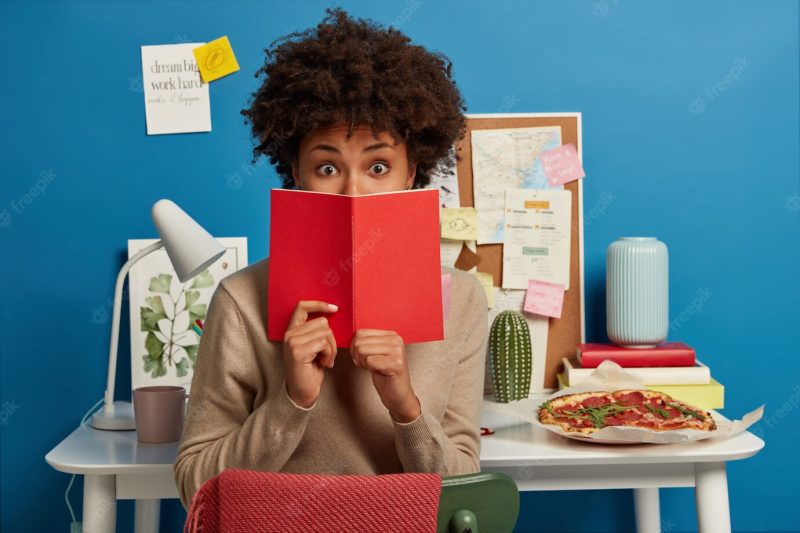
(348,71)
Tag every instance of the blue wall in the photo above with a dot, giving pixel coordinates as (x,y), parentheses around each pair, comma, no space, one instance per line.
(715,178)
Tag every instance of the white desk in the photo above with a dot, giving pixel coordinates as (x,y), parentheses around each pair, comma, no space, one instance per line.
(116,466)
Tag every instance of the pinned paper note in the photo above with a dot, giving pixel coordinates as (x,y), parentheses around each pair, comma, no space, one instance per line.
(561,165)
(487,280)
(544,298)
(175,97)
(216,59)
(536,243)
(446,283)
(459,223)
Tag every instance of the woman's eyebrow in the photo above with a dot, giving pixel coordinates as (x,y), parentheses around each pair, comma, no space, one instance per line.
(370,148)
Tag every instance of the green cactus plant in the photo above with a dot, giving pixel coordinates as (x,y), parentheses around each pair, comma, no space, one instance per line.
(510,356)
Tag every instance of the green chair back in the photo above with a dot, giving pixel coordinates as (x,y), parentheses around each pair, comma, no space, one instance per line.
(486,502)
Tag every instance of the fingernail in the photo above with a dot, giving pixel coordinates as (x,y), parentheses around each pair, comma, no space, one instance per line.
(333,307)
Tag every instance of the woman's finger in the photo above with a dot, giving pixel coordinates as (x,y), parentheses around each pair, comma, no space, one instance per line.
(300,313)
(385,364)
(309,345)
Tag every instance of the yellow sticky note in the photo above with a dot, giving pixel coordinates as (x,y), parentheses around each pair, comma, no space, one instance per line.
(215,59)
(487,280)
(460,223)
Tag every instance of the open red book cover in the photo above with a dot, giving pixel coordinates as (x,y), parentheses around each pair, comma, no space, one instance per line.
(376,256)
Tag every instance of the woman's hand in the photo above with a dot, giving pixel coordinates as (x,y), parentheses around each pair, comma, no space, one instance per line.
(384,354)
(308,348)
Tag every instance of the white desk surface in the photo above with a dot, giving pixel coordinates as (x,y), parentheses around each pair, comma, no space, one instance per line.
(516,442)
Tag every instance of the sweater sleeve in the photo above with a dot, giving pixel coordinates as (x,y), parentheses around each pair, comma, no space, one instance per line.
(222,430)
(452,447)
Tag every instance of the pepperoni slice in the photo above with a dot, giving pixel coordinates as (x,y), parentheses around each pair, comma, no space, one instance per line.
(615,420)
(673,413)
(596,401)
(642,409)
(630,415)
(630,398)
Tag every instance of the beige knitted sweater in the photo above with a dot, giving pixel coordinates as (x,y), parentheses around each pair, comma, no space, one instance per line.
(240,415)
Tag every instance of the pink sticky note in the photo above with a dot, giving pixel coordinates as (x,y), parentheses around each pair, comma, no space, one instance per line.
(544,298)
(446,296)
(561,165)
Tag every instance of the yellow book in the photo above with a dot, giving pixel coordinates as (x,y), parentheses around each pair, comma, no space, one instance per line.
(711,396)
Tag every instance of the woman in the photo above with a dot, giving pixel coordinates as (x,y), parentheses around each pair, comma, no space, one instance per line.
(347,108)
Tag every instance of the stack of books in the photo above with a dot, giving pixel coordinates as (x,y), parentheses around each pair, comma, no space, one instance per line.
(670,367)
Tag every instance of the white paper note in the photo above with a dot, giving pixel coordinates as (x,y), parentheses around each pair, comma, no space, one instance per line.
(175,97)
(536,244)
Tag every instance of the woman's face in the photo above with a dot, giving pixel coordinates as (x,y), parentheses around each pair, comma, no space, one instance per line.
(362,164)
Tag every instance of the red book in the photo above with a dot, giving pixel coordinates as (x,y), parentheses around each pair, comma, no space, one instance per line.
(376,256)
(665,354)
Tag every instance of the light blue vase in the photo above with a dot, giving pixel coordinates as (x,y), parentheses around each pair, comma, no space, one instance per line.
(637,292)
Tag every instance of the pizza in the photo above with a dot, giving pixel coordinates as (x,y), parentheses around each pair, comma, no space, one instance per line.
(586,412)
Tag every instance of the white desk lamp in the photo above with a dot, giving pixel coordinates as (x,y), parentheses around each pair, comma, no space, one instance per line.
(190,249)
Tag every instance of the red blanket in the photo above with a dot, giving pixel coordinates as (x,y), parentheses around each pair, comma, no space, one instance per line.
(245,501)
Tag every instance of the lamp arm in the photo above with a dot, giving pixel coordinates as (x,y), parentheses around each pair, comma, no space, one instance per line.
(112,350)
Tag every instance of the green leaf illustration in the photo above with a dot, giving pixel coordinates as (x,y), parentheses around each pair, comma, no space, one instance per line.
(192,352)
(154,365)
(191,298)
(203,280)
(154,346)
(160,283)
(197,311)
(149,319)
(155,303)
(182,367)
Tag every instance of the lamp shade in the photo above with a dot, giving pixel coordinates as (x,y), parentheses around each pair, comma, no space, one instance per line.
(190,248)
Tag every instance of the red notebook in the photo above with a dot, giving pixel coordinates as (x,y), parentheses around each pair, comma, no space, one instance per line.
(665,354)
(376,256)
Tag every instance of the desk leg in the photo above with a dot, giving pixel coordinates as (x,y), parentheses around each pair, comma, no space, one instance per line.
(99,503)
(711,495)
(146,516)
(648,512)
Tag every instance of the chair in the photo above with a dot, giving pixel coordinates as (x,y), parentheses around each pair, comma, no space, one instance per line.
(248,500)
(484,501)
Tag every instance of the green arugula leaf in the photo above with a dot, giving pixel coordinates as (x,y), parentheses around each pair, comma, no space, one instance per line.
(686,411)
(661,412)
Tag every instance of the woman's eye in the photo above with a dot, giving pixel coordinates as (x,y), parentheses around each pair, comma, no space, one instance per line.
(380,168)
(326,170)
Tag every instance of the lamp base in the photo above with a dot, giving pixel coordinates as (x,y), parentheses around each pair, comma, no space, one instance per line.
(120,419)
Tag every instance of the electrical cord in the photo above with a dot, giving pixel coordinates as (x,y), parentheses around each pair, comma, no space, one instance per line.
(75,526)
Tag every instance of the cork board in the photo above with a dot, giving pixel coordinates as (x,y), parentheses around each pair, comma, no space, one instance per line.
(569,330)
